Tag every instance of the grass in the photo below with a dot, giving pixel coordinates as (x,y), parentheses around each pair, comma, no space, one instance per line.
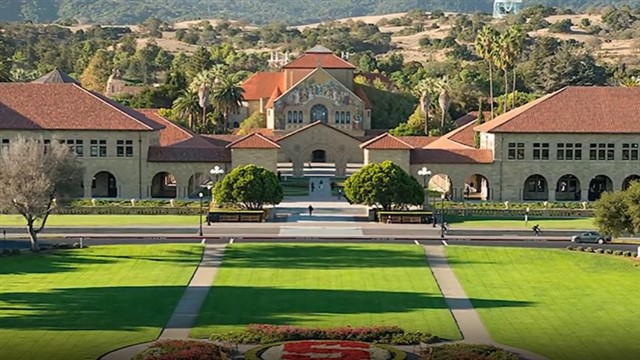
(295,187)
(79,304)
(106,220)
(584,306)
(325,285)
(497,223)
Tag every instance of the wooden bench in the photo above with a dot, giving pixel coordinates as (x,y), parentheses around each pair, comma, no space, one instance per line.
(250,218)
(412,219)
(229,218)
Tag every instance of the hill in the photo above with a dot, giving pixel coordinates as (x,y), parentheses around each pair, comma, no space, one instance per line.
(253,11)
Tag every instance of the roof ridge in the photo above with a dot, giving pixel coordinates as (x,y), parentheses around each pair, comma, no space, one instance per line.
(382,136)
(317,123)
(262,137)
(100,98)
(173,124)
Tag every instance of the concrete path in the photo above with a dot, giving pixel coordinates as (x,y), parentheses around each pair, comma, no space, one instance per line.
(186,312)
(471,327)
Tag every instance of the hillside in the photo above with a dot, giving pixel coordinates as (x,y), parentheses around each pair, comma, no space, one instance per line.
(252,11)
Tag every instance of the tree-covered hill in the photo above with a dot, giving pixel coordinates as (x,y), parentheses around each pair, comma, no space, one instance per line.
(253,11)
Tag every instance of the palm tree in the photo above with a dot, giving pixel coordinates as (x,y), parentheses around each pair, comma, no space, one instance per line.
(516,45)
(187,105)
(444,100)
(425,88)
(485,48)
(227,95)
(5,71)
(632,81)
(503,59)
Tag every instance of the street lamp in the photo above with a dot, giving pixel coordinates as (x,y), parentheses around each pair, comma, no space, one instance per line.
(425,173)
(442,215)
(200,195)
(216,171)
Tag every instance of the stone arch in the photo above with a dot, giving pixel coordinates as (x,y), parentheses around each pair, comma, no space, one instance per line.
(318,156)
(194,185)
(104,184)
(319,112)
(441,183)
(598,185)
(476,187)
(628,180)
(568,188)
(163,185)
(536,187)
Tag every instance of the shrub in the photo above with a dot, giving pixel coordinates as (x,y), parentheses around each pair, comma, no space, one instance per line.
(15,251)
(571,248)
(608,251)
(265,334)
(589,249)
(627,253)
(617,253)
(600,251)
(182,349)
(6,252)
(634,254)
(471,351)
(579,248)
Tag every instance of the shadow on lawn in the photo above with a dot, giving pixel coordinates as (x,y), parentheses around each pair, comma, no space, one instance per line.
(236,305)
(293,256)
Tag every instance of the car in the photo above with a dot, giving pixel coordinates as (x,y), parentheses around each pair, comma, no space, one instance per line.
(591,237)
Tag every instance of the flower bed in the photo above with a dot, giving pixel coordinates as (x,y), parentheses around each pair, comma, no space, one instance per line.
(181,350)
(323,349)
(466,351)
(265,334)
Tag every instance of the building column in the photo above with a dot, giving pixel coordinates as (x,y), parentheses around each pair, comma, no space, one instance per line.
(86,182)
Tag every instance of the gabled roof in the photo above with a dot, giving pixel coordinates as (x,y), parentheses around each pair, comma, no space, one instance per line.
(174,134)
(319,56)
(261,85)
(276,94)
(253,141)
(56,76)
(451,156)
(386,141)
(29,106)
(577,109)
(418,141)
(472,116)
(314,124)
(460,138)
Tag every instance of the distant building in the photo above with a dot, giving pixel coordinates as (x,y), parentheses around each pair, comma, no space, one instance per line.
(502,8)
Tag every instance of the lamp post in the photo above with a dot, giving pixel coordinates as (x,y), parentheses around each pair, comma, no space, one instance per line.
(216,171)
(526,218)
(425,173)
(442,215)
(200,195)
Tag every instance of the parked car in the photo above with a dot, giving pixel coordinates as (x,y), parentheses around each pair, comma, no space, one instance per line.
(591,237)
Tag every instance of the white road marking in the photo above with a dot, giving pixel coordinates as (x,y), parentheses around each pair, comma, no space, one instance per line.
(444,243)
(416,242)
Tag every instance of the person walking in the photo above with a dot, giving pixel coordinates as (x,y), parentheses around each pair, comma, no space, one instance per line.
(310,208)
(313,186)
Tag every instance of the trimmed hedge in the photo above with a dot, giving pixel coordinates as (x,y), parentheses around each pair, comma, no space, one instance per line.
(467,351)
(181,350)
(266,334)
(603,251)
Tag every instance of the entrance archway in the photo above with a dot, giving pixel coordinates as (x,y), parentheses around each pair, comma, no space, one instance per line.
(319,112)
(476,187)
(568,188)
(163,185)
(535,188)
(104,185)
(194,187)
(442,184)
(598,185)
(628,180)
(318,156)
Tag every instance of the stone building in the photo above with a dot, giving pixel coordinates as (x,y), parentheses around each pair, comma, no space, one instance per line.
(567,146)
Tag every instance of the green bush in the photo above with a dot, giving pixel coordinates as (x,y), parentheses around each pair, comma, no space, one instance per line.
(600,251)
(182,349)
(571,248)
(634,254)
(589,249)
(627,253)
(471,351)
(15,251)
(608,251)
(617,253)
(6,252)
(579,248)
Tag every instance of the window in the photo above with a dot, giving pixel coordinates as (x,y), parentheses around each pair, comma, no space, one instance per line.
(93,149)
(348,117)
(541,151)
(5,144)
(300,117)
(289,117)
(516,151)
(124,148)
(103,148)
(98,148)
(342,117)
(47,144)
(629,151)
(602,151)
(569,151)
(295,117)
(74,146)
(337,117)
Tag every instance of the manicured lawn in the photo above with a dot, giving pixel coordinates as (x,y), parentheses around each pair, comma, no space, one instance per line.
(582,306)
(79,304)
(545,224)
(325,286)
(106,220)
(295,187)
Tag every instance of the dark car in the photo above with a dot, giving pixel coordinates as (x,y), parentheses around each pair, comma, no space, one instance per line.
(591,237)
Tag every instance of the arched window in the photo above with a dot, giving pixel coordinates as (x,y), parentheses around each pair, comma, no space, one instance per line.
(337,117)
(342,117)
(289,115)
(348,117)
(295,117)
(300,117)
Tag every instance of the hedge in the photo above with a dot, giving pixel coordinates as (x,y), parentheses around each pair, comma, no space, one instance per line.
(603,251)
(182,349)
(467,351)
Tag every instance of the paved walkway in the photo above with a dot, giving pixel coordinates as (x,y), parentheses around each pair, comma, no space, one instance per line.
(186,312)
(472,329)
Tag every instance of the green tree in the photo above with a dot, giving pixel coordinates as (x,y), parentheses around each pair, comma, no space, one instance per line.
(250,187)
(612,214)
(227,95)
(632,201)
(515,44)
(95,76)
(35,178)
(486,48)
(187,106)
(198,62)
(257,120)
(385,185)
(479,121)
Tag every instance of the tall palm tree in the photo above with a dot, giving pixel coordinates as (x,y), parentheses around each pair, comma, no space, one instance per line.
(444,100)
(227,95)
(516,39)
(187,105)
(425,88)
(485,48)
(503,59)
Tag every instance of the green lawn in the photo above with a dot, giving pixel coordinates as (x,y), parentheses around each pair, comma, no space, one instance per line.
(324,286)
(106,220)
(545,224)
(295,187)
(582,306)
(79,304)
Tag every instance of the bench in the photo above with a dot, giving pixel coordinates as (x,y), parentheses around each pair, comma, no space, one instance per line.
(229,218)
(412,219)
(250,218)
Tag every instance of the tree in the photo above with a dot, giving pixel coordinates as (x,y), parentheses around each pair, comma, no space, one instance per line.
(257,120)
(198,62)
(632,81)
(444,100)
(187,105)
(632,201)
(227,96)
(611,214)
(95,76)
(485,47)
(426,87)
(35,178)
(479,121)
(383,185)
(515,43)
(250,187)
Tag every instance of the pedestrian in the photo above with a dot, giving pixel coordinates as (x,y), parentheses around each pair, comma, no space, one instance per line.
(388,219)
(320,185)
(310,210)
(339,194)
(313,186)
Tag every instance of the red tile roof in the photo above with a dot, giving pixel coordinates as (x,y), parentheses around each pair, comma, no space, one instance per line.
(65,106)
(174,134)
(471,116)
(312,60)
(386,141)
(317,123)
(261,85)
(451,156)
(574,110)
(276,94)
(418,141)
(463,135)
(253,141)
